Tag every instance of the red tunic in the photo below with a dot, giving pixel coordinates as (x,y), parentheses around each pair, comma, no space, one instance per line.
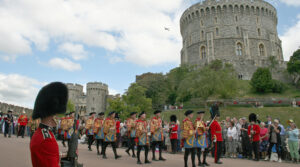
(216,130)
(174,131)
(23,120)
(118,126)
(44,148)
(256,129)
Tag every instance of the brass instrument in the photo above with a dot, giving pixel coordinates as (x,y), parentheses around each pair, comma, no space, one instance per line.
(64,124)
(89,124)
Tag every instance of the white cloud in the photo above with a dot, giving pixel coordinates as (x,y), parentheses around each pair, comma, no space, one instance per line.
(76,51)
(291,40)
(291,2)
(132,28)
(113,91)
(65,64)
(18,90)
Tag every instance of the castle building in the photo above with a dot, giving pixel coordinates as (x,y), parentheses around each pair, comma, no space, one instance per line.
(95,99)
(240,32)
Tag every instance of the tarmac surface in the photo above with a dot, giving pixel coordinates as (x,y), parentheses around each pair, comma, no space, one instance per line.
(14,152)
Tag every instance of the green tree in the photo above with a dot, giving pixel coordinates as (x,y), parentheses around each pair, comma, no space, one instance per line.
(293,67)
(156,88)
(136,99)
(118,105)
(273,63)
(261,80)
(70,106)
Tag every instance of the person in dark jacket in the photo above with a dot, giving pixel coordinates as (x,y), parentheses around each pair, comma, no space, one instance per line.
(274,139)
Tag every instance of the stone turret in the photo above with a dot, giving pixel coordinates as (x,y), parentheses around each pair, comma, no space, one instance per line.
(240,32)
(75,91)
(97,93)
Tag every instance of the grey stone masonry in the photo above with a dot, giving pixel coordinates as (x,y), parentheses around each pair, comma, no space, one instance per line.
(240,32)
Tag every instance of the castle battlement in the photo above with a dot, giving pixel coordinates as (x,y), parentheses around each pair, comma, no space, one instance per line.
(241,32)
(97,85)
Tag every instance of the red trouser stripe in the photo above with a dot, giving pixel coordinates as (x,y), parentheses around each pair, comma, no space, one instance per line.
(216,152)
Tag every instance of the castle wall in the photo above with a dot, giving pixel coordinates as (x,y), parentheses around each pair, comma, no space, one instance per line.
(232,31)
(96,97)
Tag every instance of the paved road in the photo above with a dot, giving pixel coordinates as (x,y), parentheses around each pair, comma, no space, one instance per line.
(14,152)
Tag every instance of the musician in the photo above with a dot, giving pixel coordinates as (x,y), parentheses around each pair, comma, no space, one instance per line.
(201,138)
(142,136)
(64,127)
(8,121)
(131,123)
(157,135)
(89,130)
(110,131)
(188,137)
(173,133)
(216,133)
(51,100)
(98,131)
(118,126)
(69,127)
(254,135)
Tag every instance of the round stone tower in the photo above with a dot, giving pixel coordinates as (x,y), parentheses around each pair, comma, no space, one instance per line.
(240,32)
(96,97)
(75,91)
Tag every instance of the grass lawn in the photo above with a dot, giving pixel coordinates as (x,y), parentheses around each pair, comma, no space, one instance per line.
(283,113)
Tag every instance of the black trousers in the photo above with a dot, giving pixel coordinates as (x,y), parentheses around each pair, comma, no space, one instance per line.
(113,145)
(246,146)
(21,131)
(217,150)
(7,130)
(205,152)
(277,149)
(139,149)
(255,148)
(160,145)
(131,144)
(90,140)
(99,142)
(187,152)
(118,139)
(174,143)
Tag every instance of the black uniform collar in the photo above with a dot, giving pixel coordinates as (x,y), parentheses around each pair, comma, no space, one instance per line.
(43,126)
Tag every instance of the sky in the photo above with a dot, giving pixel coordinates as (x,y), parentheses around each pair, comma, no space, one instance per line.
(109,41)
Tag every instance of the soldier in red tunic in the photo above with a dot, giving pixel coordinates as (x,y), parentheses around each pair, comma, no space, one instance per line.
(254,135)
(216,133)
(51,100)
(174,133)
(22,121)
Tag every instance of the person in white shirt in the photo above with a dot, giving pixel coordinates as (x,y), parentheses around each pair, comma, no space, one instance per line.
(232,139)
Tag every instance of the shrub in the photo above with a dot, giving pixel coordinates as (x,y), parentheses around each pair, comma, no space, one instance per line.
(277,86)
(261,80)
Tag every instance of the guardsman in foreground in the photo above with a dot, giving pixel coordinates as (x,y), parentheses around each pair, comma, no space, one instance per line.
(98,131)
(216,133)
(254,135)
(157,135)
(51,100)
(131,123)
(188,137)
(174,133)
(89,130)
(22,121)
(201,138)
(142,135)
(110,132)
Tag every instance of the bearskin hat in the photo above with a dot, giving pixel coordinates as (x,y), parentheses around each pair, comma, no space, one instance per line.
(52,99)
(156,112)
(117,116)
(200,112)
(214,111)
(252,117)
(173,118)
